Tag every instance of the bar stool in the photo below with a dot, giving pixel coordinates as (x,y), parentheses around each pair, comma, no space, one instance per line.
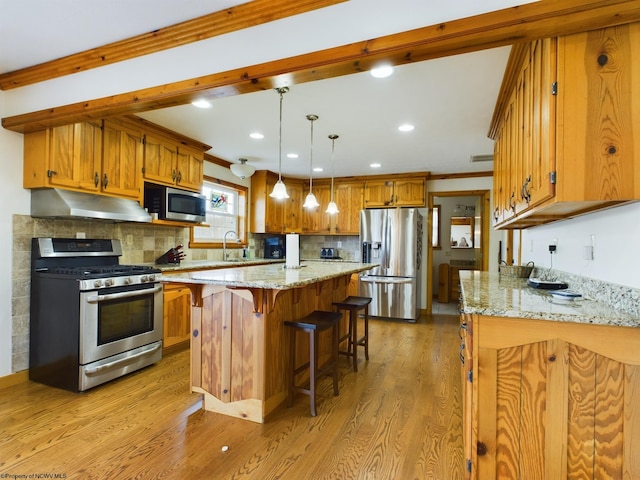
(354,305)
(314,323)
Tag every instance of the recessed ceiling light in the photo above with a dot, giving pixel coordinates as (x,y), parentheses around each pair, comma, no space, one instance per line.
(202,103)
(292,155)
(318,169)
(256,135)
(406,127)
(375,165)
(381,71)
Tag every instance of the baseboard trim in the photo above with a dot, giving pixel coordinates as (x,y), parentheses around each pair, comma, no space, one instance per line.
(14,379)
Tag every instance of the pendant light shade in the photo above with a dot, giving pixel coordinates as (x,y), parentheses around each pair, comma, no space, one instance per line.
(311,201)
(279,189)
(332,208)
(242,169)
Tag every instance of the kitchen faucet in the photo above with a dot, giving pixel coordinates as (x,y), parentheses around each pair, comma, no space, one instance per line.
(224,244)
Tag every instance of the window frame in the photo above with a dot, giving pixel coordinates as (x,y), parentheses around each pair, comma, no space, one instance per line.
(243,210)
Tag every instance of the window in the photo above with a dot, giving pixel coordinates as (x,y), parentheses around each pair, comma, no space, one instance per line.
(226,210)
(435,225)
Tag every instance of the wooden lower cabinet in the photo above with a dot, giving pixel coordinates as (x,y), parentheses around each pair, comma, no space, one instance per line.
(449,282)
(551,400)
(176,316)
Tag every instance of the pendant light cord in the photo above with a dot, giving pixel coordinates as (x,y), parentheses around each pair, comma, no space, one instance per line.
(281,91)
(333,148)
(312,118)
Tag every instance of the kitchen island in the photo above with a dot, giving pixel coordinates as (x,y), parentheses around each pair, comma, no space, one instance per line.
(548,387)
(239,343)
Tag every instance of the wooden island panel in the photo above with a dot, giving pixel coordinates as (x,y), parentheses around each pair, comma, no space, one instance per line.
(240,345)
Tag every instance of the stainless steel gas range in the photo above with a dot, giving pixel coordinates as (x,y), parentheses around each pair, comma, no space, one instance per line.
(92,320)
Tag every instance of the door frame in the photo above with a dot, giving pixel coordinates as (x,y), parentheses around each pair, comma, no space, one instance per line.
(485,197)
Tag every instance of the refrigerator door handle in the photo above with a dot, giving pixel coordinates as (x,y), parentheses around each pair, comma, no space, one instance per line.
(397,280)
(387,241)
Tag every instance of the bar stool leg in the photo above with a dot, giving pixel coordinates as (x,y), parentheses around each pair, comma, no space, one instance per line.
(366,332)
(313,353)
(292,366)
(353,318)
(334,356)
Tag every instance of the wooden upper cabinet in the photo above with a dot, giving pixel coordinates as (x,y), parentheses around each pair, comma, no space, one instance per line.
(316,220)
(566,127)
(168,162)
(68,157)
(408,192)
(160,159)
(266,212)
(122,160)
(109,157)
(293,209)
(349,198)
(190,168)
(379,193)
(89,157)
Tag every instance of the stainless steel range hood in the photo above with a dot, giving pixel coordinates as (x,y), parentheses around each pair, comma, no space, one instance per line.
(57,203)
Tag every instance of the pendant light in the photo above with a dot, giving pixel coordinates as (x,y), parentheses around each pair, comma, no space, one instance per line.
(279,189)
(332,208)
(311,201)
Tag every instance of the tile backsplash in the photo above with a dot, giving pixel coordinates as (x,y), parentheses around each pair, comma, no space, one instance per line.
(141,244)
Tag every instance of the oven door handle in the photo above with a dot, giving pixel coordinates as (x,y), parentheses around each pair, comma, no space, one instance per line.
(115,296)
(115,363)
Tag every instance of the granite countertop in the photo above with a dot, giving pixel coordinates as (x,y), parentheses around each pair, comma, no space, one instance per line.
(491,294)
(208,264)
(271,276)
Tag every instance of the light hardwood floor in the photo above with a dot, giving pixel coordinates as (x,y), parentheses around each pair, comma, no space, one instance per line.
(399,417)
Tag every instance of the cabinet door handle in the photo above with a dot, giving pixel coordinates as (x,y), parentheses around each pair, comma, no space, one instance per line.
(105,181)
(463,327)
(496,214)
(96,179)
(179,176)
(524,193)
(51,173)
(461,353)
(173,175)
(512,202)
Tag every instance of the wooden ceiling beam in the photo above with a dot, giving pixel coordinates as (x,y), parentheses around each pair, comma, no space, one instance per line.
(518,24)
(235,18)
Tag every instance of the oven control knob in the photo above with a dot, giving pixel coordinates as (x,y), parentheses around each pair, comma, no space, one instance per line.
(97,283)
(143,278)
(152,278)
(127,280)
(108,282)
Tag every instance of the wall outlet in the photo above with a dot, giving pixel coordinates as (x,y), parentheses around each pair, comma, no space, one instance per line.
(339,244)
(81,235)
(129,240)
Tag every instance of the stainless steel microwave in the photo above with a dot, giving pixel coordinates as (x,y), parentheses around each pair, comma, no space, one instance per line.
(175,204)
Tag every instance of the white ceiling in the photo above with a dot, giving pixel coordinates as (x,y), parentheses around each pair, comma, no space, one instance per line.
(450,100)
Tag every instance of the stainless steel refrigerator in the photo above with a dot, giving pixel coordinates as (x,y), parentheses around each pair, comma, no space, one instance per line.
(392,237)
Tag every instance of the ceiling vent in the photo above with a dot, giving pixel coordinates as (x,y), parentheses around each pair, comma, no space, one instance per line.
(481,158)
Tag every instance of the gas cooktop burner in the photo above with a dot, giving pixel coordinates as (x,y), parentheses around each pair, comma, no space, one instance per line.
(101,271)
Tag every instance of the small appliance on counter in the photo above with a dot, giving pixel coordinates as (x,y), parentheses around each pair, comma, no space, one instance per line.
(274,247)
(329,253)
